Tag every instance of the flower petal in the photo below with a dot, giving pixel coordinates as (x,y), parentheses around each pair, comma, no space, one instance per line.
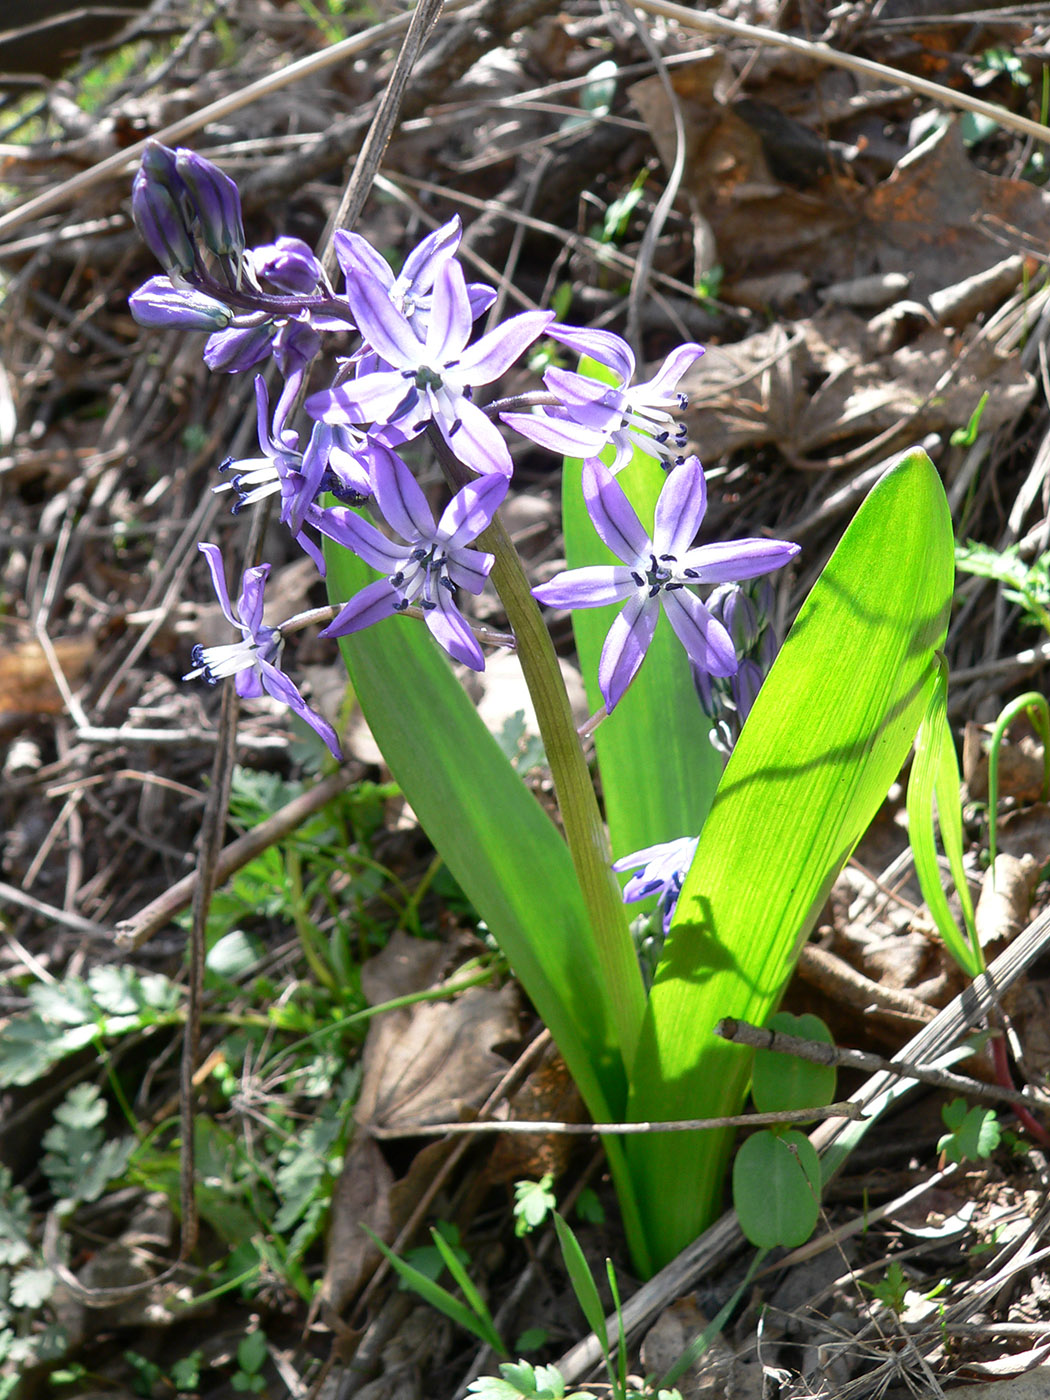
(277,684)
(250,603)
(374,602)
(590,587)
(680,508)
(728,561)
(401,498)
(557,434)
(495,352)
(471,510)
(420,266)
(613,516)
(380,322)
(661,388)
(452,631)
(474,438)
(213,558)
(374,398)
(360,536)
(625,647)
(705,639)
(606,346)
(450,322)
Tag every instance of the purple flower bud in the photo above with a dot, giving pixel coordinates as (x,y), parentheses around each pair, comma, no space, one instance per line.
(294,346)
(161,223)
(215,201)
(289,265)
(239,347)
(159,303)
(736,609)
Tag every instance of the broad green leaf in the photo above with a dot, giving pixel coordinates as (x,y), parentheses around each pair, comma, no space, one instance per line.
(487,826)
(776,1188)
(501,847)
(829,732)
(780,1082)
(658,768)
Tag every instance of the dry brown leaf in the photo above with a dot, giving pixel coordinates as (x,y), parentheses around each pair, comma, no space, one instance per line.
(758,390)
(432,1062)
(27,683)
(1006,896)
(361,1196)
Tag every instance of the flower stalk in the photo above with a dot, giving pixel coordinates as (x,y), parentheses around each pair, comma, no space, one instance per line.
(584,830)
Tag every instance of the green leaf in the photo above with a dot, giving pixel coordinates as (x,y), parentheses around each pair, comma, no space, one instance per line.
(781,1082)
(501,847)
(533,1202)
(582,1281)
(439,1297)
(935,774)
(974,1132)
(31,1288)
(776,1188)
(966,437)
(829,732)
(252,1352)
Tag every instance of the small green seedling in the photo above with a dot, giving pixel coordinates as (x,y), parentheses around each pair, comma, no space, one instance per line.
(973,1133)
(518,1380)
(533,1202)
(252,1352)
(891,1289)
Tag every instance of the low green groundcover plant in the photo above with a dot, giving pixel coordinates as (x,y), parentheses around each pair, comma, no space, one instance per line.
(734,830)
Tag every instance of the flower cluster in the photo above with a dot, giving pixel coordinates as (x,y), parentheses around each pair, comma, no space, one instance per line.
(418,367)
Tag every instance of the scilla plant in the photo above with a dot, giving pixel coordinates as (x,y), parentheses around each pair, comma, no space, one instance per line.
(741,860)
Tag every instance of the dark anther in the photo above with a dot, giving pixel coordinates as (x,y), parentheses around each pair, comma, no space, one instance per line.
(637,578)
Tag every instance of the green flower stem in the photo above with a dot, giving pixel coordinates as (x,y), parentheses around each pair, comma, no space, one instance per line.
(584,830)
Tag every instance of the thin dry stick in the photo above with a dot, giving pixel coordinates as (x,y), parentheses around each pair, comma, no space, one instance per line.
(819,1052)
(70,190)
(709,23)
(358,187)
(680,1125)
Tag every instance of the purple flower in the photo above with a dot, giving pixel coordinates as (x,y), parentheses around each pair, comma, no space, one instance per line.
(661,871)
(433,377)
(159,302)
(411,290)
(590,416)
(156,208)
(658,572)
(427,565)
(334,459)
(253,659)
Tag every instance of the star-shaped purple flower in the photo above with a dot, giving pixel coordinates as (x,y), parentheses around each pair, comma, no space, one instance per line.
(433,377)
(412,289)
(661,870)
(658,572)
(429,562)
(334,459)
(591,416)
(253,660)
